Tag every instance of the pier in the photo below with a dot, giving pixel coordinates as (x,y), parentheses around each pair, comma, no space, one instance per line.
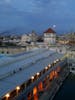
(55,85)
(35,75)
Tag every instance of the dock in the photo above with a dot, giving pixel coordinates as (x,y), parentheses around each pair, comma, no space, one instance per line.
(55,85)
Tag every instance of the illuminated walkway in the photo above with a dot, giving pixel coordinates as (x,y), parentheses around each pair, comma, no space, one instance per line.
(55,85)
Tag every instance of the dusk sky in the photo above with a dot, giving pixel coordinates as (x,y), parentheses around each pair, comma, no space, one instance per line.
(38,15)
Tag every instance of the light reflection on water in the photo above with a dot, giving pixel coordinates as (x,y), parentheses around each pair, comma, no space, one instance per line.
(67,91)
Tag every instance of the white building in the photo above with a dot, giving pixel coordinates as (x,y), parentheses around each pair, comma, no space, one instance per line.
(25,38)
(29,38)
(33,36)
(50,36)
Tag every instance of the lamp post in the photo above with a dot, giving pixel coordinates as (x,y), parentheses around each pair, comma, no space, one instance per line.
(7,96)
(17,89)
(32,78)
(37,74)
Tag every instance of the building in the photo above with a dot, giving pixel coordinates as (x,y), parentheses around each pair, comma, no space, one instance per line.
(9,40)
(33,36)
(50,36)
(29,38)
(71,38)
(25,38)
(67,39)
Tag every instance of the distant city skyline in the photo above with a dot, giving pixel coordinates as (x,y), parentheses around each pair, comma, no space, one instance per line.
(38,15)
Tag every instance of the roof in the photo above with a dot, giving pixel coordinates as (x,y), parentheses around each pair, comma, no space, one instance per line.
(31,63)
(49,30)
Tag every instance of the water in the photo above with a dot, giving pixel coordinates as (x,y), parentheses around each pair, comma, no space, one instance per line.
(1,55)
(67,91)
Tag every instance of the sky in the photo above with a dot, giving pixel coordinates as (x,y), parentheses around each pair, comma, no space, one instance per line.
(38,15)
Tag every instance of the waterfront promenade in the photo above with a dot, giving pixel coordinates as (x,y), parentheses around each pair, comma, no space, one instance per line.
(55,85)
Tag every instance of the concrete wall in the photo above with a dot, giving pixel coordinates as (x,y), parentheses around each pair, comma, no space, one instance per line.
(9,50)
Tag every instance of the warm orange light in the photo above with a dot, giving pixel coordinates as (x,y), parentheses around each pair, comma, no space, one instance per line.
(56,74)
(17,88)
(7,95)
(35,93)
(51,76)
(40,86)
(35,90)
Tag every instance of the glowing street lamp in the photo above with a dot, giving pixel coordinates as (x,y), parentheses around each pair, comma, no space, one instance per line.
(38,74)
(57,60)
(32,77)
(49,65)
(46,68)
(17,89)
(54,62)
(7,96)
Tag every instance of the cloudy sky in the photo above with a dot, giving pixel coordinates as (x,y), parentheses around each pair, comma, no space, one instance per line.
(37,15)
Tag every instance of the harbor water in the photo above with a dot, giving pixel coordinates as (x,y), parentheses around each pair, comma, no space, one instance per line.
(67,91)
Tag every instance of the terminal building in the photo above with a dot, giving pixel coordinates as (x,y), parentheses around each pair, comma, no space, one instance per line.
(27,75)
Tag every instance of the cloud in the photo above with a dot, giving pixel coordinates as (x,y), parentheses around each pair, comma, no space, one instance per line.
(8,1)
(43,6)
(5,1)
(44,12)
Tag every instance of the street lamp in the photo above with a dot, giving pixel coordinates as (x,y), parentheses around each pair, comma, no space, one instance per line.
(32,78)
(38,74)
(7,96)
(55,62)
(46,68)
(17,89)
(49,65)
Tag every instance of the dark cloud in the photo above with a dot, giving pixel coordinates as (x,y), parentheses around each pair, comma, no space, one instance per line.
(40,14)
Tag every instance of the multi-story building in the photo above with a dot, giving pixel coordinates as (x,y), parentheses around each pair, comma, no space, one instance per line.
(67,39)
(33,36)
(29,38)
(25,38)
(50,36)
